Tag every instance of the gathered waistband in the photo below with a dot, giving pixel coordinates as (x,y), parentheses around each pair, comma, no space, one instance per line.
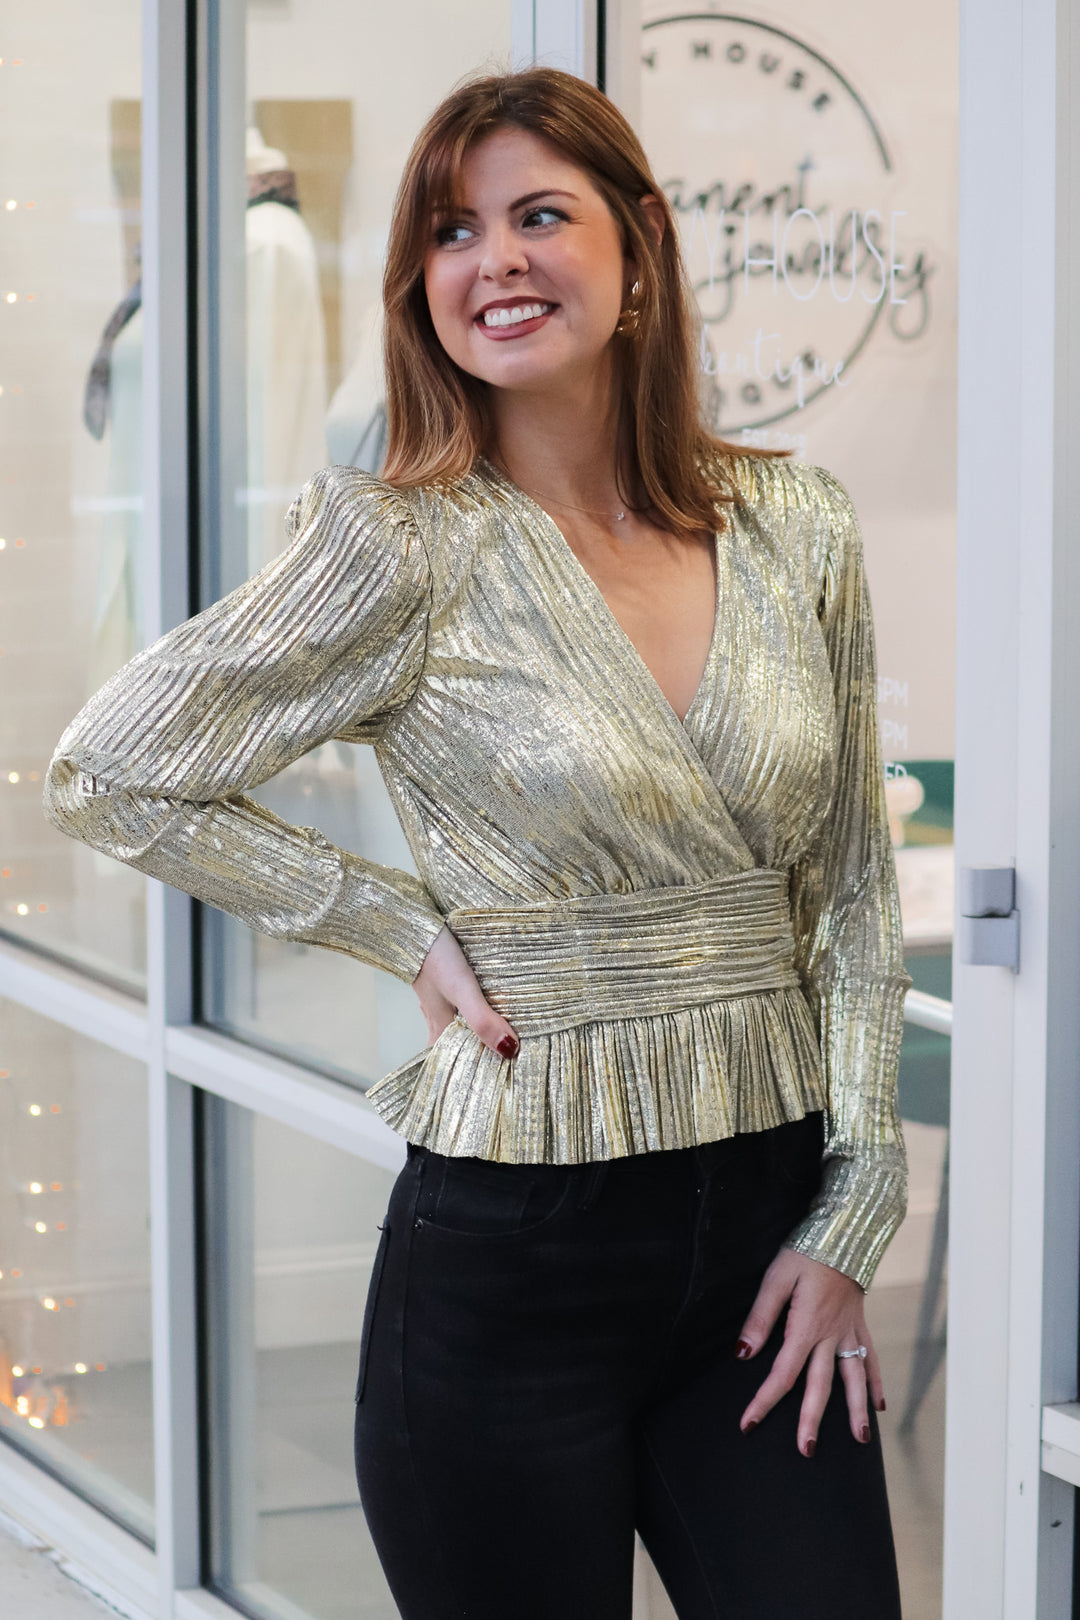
(609,956)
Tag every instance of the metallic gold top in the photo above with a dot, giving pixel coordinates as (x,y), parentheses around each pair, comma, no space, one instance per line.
(535,764)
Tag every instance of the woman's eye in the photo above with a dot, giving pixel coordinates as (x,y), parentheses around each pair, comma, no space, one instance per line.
(445,236)
(552,213)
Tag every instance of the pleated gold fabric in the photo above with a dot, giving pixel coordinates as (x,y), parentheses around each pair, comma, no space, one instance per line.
(693,925)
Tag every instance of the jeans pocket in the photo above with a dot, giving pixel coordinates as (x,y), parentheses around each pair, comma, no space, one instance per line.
(369,1308)
(468,1197)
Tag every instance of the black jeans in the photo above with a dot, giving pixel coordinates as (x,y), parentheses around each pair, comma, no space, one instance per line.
(546,1363)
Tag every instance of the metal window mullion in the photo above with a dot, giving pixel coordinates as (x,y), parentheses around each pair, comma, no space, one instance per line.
(564,35)
(166,476)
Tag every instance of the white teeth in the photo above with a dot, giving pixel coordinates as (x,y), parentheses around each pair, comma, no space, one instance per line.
(515,315)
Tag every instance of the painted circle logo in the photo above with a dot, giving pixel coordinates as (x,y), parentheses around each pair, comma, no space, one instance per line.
(786,197)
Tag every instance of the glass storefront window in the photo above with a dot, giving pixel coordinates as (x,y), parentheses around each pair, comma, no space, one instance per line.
(292,1227)
(70,486)
(75,1363)
(335,95)
(811,159)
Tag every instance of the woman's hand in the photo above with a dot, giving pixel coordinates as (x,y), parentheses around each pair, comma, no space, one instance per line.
(825,1315)
(447,984)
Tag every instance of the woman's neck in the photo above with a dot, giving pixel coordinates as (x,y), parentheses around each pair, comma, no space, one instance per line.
(563,447)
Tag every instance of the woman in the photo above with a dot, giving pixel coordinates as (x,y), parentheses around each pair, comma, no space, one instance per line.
(620,682)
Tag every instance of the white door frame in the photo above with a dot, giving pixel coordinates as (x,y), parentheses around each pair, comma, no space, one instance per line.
(1015,1159)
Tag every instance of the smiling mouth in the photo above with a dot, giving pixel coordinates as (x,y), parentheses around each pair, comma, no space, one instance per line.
(513,315)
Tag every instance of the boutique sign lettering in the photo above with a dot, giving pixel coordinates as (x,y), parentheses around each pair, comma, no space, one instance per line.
(797,242)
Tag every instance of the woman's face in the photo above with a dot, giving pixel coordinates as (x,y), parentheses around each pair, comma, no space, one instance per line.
(525,283)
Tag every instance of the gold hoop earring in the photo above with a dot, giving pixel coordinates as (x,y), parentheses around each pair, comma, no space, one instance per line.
(630,318)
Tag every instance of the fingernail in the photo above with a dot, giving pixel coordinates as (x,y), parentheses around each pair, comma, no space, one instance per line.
(811,1447)
(864,1434)
(753,1423)
(743,1350)
(508,1047)
(881,1404)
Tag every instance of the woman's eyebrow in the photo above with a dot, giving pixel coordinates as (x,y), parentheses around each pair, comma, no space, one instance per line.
(532,196)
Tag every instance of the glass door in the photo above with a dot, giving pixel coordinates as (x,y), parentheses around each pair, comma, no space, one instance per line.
(810,159)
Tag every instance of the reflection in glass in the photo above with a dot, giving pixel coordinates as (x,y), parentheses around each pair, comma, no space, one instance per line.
(300,272)
(292,1228)
(812,169)
(70,489)
(75,1263)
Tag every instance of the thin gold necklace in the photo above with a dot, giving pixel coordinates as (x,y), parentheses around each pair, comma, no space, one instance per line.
(617,517)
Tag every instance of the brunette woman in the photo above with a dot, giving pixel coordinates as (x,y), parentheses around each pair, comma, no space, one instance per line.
(619,677)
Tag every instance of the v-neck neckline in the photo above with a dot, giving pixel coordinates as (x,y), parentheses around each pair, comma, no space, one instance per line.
(621,634)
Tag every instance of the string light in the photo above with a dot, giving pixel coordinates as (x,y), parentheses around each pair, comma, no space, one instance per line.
(35,1109)
(39,1226)
(37,1423)
(50,1304)
(10,204)
(36,1187)
(22,910)
(17,1372)
(13,776)
(11,298)
(80,1366)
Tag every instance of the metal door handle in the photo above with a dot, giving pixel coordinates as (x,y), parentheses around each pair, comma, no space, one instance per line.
(989,921)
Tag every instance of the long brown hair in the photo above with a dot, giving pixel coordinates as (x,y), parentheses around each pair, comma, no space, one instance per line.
(438,414)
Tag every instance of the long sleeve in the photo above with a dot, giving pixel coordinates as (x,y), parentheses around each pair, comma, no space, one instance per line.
(328,640)
(849,941)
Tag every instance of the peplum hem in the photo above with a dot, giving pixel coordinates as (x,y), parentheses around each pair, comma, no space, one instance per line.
(612,1088)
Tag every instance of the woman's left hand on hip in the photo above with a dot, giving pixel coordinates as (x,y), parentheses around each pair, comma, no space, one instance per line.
(825,1315)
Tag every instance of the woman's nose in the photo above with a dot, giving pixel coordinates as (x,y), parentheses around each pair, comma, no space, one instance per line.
(503,256)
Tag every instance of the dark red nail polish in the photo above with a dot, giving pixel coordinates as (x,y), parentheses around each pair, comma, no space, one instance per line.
(864,1434)
(811,1447)
(881,1404)
(508,1047)
(751,1425)
(743,1350)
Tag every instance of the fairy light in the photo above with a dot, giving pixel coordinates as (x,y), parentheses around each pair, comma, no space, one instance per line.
(36,1187)
(35,1109)
(22,910)
(50,1304)
(80,1366)
(11,204)
(13,776)
(22,1406)
(54,1108)
(17,1372)
(37,1423)
(39,1226)
(11,298)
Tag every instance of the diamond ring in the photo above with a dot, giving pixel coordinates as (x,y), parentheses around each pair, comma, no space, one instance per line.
(842,1355)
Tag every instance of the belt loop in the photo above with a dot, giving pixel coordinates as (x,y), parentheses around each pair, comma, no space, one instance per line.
(592,1182)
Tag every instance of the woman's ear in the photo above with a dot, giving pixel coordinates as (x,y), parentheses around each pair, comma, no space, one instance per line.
(653,210)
